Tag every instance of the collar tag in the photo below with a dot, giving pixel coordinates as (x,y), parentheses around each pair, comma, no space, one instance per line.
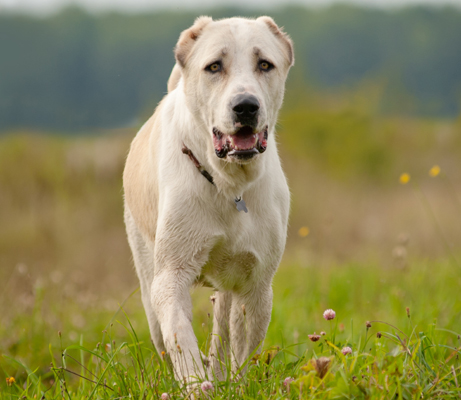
(240,203)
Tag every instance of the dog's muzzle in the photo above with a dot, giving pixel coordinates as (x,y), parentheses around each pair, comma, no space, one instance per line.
(242,145)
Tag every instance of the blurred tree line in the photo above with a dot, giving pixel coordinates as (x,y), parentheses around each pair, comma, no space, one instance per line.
(75,70)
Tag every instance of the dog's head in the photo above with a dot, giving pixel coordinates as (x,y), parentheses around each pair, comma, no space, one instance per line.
(234,73)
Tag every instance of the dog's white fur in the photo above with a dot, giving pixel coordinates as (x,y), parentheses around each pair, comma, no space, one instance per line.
(182,229)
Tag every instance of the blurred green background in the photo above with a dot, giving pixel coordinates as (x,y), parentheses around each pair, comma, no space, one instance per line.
(374,94)
(73,71)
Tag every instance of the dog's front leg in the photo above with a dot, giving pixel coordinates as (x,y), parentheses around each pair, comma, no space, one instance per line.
(172,304)
(249,320)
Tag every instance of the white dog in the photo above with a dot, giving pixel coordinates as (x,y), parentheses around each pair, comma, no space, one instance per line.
(206,199)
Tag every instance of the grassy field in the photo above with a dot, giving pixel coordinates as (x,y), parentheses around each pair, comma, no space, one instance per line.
(363,241)
(99,353)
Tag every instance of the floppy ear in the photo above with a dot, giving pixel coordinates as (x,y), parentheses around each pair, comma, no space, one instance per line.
(281,35)
(188,38)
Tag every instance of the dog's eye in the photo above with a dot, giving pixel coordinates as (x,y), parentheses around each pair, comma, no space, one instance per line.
(265,65)
(215,67)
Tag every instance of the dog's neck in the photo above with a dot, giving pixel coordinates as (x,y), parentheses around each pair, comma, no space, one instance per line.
(231,179)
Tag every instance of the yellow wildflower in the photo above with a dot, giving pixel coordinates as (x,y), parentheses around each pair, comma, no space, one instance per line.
(434,171)
(404,178)
(303,231)
(10,381)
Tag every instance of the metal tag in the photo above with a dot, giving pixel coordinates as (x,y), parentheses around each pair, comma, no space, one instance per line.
(240,203)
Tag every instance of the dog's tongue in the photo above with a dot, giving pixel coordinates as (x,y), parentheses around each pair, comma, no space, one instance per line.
(244,138)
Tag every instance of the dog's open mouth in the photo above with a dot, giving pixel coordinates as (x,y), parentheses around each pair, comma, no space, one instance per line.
(243,145)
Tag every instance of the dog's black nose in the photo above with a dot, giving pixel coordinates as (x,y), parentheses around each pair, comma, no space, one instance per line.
(245,107)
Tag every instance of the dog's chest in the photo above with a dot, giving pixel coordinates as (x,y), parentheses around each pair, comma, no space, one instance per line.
(243,254)
(228,270)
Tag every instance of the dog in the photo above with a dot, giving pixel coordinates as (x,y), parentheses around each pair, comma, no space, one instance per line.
(206,200)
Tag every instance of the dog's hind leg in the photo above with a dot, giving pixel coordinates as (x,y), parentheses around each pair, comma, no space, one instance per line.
(154,326)
(144,263)
(220,343)
(249,320)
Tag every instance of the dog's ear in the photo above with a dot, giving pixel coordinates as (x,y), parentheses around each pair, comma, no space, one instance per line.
(281,35)
(188,38)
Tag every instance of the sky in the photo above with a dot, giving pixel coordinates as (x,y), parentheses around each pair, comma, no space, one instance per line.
(44,7)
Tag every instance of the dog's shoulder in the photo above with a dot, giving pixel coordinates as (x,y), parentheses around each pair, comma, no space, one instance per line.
(140,181)
(174,78)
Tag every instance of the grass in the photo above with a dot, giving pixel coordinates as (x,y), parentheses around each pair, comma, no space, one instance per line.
(370,247)
(417,355)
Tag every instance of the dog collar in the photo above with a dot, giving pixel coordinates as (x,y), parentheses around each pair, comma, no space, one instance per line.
(239,202)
